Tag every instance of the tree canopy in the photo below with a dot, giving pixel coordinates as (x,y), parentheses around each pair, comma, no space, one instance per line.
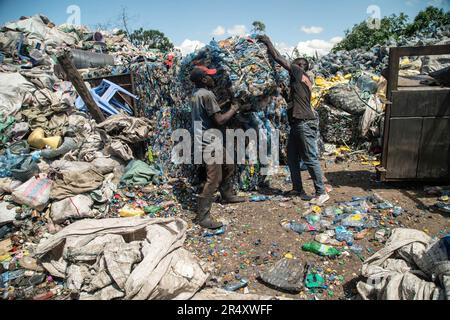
(258,27)
(152,39)
(394,26)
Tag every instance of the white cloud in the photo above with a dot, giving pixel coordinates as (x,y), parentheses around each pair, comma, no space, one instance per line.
(284,49)
(219,31)
(322,47)
(312,30)
(237,30)
(188,46)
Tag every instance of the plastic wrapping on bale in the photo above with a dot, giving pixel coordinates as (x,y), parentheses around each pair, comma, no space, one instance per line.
(347,99)
(336,126)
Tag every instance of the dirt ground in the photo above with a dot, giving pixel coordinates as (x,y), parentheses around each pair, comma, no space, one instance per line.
(254,239)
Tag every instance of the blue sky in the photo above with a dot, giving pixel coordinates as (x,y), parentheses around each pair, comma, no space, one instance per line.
(289,22)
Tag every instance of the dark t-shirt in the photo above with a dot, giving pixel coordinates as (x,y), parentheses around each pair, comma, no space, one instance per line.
(204,107)
(300,107)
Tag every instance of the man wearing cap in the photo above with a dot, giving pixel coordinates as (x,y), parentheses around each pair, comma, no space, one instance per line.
(302,143)
(206,113)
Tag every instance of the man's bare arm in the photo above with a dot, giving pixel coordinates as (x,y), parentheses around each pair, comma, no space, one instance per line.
(223,118)
(274,53)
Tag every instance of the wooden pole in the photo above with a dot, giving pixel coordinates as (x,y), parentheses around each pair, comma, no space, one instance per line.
(65,61)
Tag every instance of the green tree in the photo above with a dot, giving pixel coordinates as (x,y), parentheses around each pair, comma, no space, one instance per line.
(430,17)
(394,26)
(362,36)
(258,27)
(152,39)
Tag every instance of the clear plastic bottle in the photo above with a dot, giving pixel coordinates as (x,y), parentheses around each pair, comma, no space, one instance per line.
(299,228)
(343,234)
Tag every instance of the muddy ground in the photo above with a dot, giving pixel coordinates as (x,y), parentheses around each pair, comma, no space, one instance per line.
(254,239)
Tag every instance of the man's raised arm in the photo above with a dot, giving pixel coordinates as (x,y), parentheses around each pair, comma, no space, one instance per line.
(274,52)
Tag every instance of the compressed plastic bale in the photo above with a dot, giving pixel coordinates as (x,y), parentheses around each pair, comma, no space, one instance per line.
(34,193)
(347,99)
(77,207)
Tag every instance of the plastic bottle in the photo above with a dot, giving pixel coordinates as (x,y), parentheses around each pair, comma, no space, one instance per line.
(299,228)
(217,232)
(313,218)
(385,205)
(343,234)
(236,286)
(397,211)
(259,198)
(320,249)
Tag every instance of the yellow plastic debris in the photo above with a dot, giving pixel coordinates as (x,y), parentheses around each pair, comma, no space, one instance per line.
(289,256)
(376,78)
(128,212)
(316,209)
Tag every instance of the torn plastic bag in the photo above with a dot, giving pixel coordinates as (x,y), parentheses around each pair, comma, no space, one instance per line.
(286,274)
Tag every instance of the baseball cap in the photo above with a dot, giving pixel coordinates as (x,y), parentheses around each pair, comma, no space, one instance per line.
(200,72)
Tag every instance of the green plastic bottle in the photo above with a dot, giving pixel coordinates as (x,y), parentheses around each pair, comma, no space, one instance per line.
(321,249)
(152,210)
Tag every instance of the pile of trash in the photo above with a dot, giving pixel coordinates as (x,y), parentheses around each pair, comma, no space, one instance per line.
(376,59)
(345,224)
(246,73)
(443,195)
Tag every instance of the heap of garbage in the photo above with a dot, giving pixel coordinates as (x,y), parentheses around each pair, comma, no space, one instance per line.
(375,59)
(59,166)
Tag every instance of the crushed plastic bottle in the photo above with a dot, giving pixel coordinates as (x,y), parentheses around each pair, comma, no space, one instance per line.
(385,205)
(343,234)
(299,228)
(397,211)
(259,198)
(236,286)
(354,221)
(217,232)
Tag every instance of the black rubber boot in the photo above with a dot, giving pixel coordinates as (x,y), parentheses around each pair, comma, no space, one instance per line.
(203,214)
(228,196)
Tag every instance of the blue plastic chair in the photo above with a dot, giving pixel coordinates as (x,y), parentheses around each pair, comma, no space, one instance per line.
(104,97)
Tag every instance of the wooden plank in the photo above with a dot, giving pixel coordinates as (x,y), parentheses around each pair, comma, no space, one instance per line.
(434,155)
(394,64)
(424,51)
(74,76)
(421,103)
(404,145)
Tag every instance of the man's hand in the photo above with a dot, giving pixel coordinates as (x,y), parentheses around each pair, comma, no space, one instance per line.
(263,38)
(236,107)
